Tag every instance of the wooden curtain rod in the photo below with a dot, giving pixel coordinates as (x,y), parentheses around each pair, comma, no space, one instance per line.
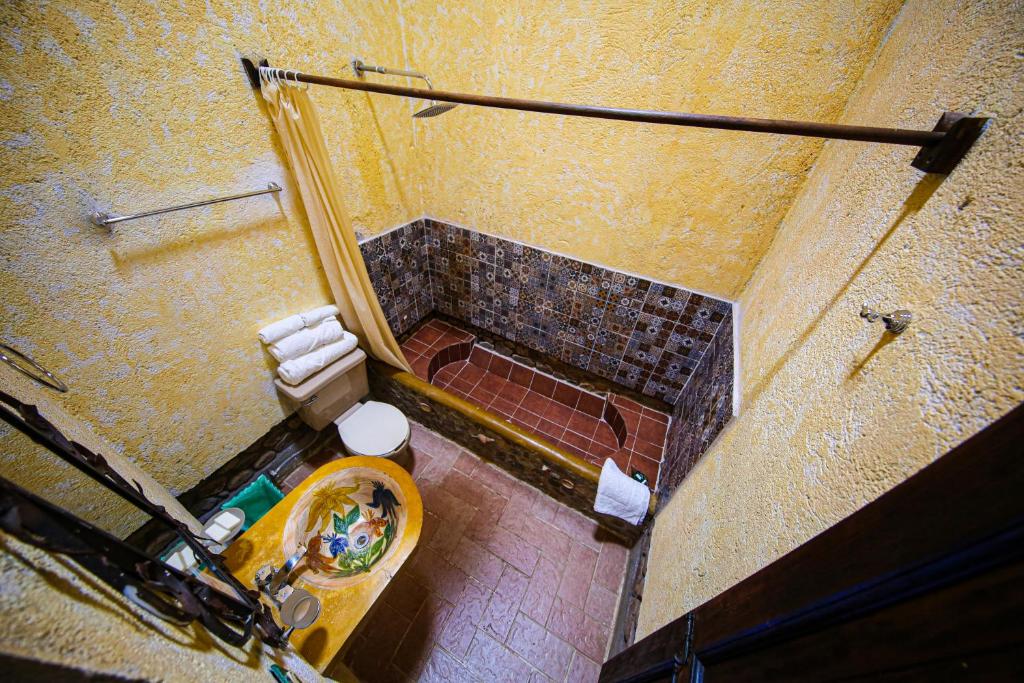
(942,148)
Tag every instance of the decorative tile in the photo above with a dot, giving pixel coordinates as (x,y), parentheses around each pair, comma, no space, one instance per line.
(398,266)
(701,411)
(656,339)
(584,315)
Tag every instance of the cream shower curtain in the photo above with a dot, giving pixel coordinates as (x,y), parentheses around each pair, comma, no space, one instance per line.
(298,125)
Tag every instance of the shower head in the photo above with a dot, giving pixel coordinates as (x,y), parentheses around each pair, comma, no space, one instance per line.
(435,108)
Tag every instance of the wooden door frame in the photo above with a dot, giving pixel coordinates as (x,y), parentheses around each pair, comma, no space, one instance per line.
(960,516)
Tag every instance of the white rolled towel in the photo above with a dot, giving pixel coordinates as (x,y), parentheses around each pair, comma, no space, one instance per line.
(310,318)
(297,369)
(281,329)
(620,495)
(307,339)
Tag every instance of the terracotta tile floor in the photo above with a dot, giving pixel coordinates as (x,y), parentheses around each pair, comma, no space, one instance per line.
(550,408)
(506,584)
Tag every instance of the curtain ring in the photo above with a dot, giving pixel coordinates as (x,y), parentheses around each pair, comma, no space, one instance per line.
(295,84)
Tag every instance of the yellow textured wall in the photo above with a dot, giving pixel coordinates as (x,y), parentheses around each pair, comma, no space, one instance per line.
(835,412)
(688,206)
(56,612)
(127,105)
(130,105)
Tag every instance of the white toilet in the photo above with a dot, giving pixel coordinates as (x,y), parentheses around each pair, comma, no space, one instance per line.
(333,394)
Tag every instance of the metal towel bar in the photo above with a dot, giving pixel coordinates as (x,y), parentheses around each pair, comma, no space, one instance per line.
(30,368)
(105,220)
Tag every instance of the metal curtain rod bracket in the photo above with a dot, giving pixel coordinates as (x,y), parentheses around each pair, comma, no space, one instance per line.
(105,220)
(942,148)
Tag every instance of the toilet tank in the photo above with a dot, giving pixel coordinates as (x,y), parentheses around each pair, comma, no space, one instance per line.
(324,396)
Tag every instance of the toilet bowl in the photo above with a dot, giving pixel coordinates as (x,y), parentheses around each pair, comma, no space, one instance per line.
(336,395)
(373,428)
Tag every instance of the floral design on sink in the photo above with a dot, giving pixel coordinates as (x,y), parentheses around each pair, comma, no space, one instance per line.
(349,522)
(275,537)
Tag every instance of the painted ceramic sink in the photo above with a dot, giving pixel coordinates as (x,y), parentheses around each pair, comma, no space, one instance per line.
(348,521)
(360,519)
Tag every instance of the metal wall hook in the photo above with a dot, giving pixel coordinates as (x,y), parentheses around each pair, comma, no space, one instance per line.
(940,149)
(896,322)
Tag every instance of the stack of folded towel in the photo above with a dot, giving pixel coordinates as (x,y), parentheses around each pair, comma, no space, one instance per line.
(307,342)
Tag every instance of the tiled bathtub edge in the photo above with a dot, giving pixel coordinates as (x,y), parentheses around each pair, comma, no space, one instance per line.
(525,456)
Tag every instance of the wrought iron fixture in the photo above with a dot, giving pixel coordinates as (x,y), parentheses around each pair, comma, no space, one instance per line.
(141,578)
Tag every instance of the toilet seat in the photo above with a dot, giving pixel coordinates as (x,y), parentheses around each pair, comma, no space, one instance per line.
(374,428)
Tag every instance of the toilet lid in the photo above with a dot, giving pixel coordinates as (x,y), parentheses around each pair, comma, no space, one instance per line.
(374,429)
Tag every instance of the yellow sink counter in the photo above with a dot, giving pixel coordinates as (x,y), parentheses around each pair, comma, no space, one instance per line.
(342,607)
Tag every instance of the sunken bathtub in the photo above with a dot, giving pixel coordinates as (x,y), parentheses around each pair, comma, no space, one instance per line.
(544,430)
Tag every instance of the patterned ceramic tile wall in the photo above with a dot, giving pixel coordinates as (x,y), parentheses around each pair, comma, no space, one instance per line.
(701,412)
(397,265)
(643,335)
(646,336)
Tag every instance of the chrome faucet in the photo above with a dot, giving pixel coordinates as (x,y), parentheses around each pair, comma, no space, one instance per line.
(297,607)
(271,581)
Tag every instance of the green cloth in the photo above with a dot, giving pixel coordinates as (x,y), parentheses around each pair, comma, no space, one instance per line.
(280,674)
(255,500)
